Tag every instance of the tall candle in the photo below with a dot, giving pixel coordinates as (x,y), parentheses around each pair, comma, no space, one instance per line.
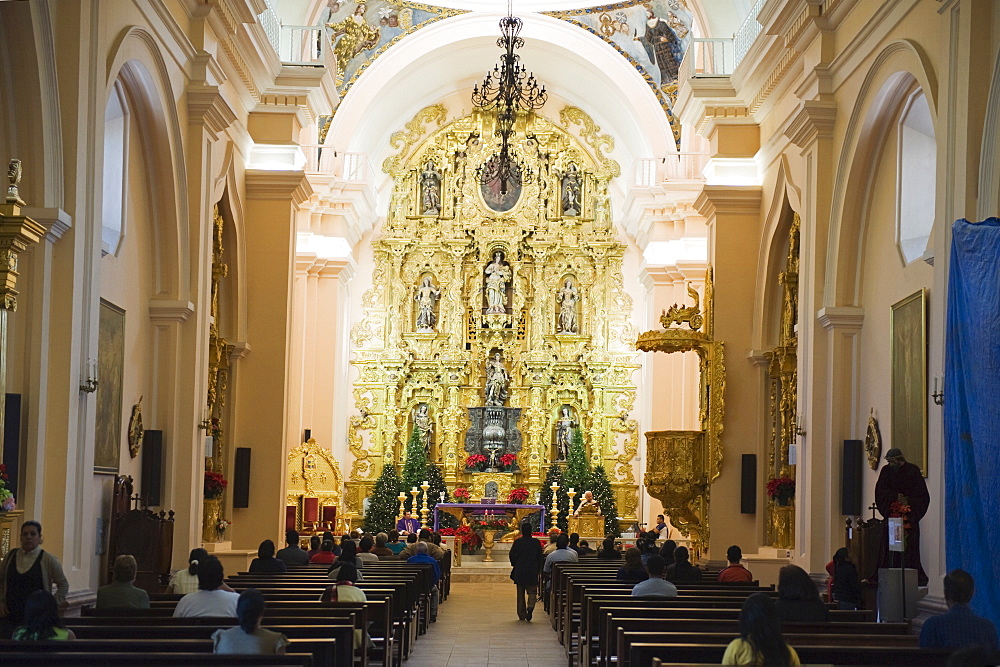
(571,489)
(414,490)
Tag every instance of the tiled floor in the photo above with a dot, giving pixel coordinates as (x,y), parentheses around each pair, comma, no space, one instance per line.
(478,625)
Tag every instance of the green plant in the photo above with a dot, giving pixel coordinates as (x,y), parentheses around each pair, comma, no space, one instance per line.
(215,485)
(383,503)
(604,494)
(577,471)
(414,470)
(554,475)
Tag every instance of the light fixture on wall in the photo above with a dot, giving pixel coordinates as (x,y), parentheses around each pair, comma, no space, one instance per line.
(89,385)
(205,422)
(798,426)
(507,89)
(938,394)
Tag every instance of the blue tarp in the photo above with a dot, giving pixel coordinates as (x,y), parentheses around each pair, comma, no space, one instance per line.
(972,410)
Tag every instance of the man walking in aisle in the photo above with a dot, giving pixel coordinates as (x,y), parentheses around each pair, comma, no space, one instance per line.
(526,561)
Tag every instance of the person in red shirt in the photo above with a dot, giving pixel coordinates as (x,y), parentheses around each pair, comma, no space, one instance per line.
(325,554)
(735,572)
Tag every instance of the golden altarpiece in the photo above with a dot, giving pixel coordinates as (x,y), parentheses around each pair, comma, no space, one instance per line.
(465,274)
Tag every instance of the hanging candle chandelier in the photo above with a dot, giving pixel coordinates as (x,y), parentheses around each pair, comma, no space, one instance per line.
(507,89)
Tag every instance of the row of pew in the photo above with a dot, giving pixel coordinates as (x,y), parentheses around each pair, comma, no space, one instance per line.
(382,631)
(599,623)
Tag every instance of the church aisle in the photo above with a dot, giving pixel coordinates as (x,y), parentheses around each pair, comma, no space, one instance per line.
(478,626)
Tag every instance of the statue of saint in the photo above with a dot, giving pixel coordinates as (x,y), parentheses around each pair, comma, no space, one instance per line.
(497,276)
(571,192)
(567,297)
(497,380)
(430,189)
(564,433)
(422,420)
(355,36)
(426,296)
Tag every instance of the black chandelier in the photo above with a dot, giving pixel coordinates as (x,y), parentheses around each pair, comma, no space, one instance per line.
(507,89)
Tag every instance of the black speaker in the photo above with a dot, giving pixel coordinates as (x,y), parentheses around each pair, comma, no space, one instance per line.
(748,485)
(850,478)
(12,440)
(152,467)
(241,478)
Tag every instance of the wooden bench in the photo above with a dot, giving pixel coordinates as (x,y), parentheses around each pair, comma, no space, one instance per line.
(63,653)
(644,653)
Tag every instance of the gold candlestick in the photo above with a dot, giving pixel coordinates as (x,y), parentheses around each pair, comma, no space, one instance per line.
(425,508)
(572,494)
(554,514)
(402,499)
(414,507)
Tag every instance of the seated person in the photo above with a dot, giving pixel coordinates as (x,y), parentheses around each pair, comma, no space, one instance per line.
(959,626)
(588,502)
(562,552)
(381,548)
(314,544)
(432,549)
(584,548)
(121,593)
(574,542)
(647,546)
(365,554)
(394,544)
(682,571)
(327,535)
(407,524)
(248,637)
(185,581)
(655,585)
(41,620)
(210,599)
(760,641)
(735,572)
(553,537)
(667,552)
(325,554)
(845,582)
(632,571)
(665,529)
(293,554)
(608,550)
(798,597)
(421,555)
(265,562)
(344,589)
(347,557)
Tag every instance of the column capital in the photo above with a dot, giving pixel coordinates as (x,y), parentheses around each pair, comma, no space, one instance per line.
(17,233)
(170,310)
(55,220)
(716,199)
(267,184)
(813,121)
(845,318)
(207,107)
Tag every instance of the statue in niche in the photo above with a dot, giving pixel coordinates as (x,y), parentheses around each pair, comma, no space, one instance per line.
(567,296)
(426,296)
(571,192)
(425,427)
(430,189)
(564,433)
(497,276)
(497,380)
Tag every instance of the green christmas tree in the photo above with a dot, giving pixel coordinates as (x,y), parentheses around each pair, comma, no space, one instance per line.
(436,481)
(414,471)
(554,475)
(605,497)
(577,472)
(383,504)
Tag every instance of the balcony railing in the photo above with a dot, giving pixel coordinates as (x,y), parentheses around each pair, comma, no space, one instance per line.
(677,167)
(297,45)
(351,167)
(745,36)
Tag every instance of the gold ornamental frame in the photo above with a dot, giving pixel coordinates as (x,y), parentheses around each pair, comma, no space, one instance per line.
(908,355)
(312,472)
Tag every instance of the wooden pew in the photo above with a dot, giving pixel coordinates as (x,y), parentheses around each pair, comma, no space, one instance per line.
(643,654)
(323,651)
(64,653)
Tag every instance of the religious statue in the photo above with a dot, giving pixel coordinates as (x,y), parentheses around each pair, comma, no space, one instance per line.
(571,192)
(13,179)
(497,276)
(497,381)
(422,420)
(564,433)
(430,189)
(567,296)
(426,296)
(902,492)
(135,429)
(355,36)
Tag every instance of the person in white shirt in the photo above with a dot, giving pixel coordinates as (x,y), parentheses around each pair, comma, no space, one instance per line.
(364,554)
(656,585)
(210,599)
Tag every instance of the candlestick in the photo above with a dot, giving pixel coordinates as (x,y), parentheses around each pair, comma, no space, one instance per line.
(425,508)
(402,499)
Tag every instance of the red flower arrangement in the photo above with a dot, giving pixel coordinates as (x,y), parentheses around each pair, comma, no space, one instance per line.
(475,461)
(781,488)
(215,485)
(467,536)
(461,493)
(507,460)
(491,523)
(901,508)
(517,496)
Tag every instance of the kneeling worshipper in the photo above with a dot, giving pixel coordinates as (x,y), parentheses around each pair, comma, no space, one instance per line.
(248,638)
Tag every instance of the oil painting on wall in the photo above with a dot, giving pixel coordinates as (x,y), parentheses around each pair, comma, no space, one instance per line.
(908,352)
(110,370)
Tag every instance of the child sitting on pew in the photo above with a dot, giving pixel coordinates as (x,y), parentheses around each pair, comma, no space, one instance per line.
(249,637)
(41,620)
(760,641)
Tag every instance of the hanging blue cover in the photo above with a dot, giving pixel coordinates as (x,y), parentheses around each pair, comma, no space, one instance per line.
(971,411)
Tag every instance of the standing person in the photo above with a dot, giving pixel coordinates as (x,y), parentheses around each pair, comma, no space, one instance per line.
(248,637)
(25,570)
(41,620)
(211,599)
(185,581)
(735,572)
(798,597)
(682,571)
(526,562)
(902,483)
(265,562)
(959,626)
(845,588)
(121,593)
(760,641)
(293,554)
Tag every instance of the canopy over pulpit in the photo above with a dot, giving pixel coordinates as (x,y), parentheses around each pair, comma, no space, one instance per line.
(314,489)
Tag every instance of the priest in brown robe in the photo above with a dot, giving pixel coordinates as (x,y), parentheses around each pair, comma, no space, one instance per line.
(902,483)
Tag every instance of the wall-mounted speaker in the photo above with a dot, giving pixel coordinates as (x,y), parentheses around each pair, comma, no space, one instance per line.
(748,485)
(241,478)
(850,478)
(152,467)
(12,440)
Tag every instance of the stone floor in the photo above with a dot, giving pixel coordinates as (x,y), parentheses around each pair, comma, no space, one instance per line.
(478,625)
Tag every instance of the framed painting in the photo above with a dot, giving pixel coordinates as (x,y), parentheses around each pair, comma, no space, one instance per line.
(110,371)
(908,355)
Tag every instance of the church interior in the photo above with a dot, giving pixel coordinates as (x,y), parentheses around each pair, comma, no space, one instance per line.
(272,243)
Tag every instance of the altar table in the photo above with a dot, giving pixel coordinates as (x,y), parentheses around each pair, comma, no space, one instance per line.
(521,512)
